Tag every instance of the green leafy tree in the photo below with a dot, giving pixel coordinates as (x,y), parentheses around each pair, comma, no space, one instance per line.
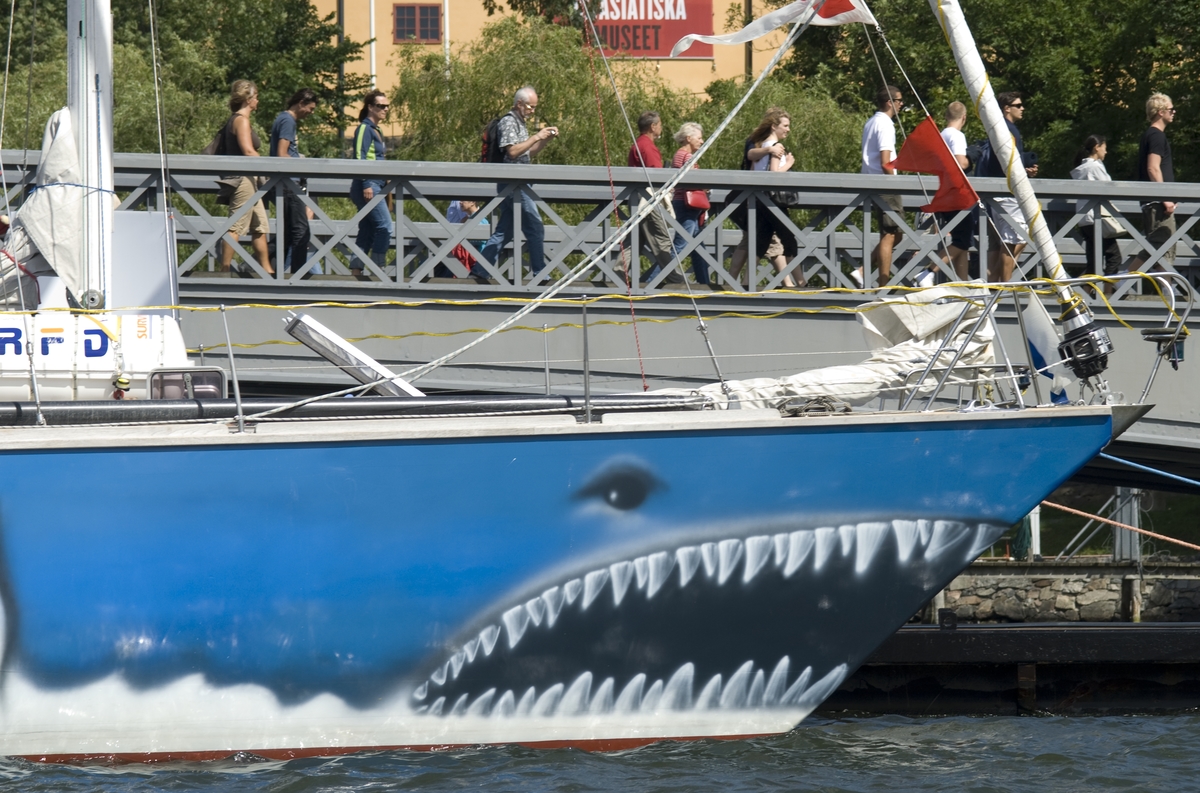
(442,114)
(282,45)
(1082,69)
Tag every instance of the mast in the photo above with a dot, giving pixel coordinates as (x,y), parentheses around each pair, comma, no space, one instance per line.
(89,98)
(1086,345)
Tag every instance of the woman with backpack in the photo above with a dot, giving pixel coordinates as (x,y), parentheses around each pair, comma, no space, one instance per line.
(375,228)
(239,138)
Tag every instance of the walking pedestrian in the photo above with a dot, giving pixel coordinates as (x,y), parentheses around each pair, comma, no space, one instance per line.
(240,139)
(284,142)
(375,228)
(519,148)
(1155,164)
(1091,167)
(878,151)
(1005,241)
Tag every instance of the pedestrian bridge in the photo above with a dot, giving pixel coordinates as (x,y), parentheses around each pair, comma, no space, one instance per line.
(640,335)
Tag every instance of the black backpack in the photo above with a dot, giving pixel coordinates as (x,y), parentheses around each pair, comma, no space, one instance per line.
(490,151)
(979,154)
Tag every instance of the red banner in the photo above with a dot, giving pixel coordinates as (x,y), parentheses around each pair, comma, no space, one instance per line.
(649,28)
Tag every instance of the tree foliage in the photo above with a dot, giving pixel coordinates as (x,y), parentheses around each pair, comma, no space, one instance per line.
(1082,68)
(282,45)
(443,116)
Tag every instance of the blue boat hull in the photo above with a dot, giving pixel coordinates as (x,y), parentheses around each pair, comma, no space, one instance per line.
(599,586)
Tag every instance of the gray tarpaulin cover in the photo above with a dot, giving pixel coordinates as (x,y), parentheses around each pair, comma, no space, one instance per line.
(46,235)
(905,332)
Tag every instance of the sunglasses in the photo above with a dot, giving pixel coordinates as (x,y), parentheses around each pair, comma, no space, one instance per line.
(1017,104)
(380,107)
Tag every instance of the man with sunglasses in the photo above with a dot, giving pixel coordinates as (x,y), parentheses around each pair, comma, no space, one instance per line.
(1155,165)
(1005,242)
(519,147)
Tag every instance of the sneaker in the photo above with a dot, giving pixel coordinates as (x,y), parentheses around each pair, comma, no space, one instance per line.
(856,275)
(926,279)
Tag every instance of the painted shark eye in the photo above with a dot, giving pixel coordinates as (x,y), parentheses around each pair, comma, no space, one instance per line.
(624,487)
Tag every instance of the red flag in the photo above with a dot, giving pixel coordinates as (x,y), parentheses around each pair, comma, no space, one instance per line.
(926,152)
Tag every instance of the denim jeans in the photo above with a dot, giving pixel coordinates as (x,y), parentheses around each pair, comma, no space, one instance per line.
(295,232)
(689,218)
(532,229)
(375,229)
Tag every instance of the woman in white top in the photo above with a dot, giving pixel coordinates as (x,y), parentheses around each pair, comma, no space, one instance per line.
(765,152)
(1091,167)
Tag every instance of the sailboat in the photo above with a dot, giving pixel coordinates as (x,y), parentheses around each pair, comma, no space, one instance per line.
(187,578)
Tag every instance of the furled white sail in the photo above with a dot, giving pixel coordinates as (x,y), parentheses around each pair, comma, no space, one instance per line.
(906,332)
(46,237)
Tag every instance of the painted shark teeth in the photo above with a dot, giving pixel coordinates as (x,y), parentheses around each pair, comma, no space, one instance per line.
(748,688)
(758,551)
(785,554)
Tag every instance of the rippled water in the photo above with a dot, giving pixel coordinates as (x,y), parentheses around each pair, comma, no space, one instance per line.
(893,754)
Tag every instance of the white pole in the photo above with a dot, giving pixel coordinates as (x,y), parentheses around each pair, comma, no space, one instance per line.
(1035,532)
(446,34)
(89,97)
(371,35)
(950,15)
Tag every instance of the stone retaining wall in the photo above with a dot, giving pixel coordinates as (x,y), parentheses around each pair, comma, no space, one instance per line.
(1074,598)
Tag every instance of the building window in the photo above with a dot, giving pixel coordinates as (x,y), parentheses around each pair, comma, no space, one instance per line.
(418,24)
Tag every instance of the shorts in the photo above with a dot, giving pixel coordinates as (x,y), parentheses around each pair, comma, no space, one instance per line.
(774,248)
(886,224)
(256,218)
(1159,227)
(962,236)
(1008,234)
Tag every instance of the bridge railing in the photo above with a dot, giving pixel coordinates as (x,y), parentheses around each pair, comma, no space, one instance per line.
(835,221)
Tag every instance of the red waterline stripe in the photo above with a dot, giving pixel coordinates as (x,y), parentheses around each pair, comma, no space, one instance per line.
(126,758)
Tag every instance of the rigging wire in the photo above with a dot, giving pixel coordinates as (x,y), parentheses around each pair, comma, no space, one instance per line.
(634,258)
(635,255)
(557,287)
(903,134)
(29,88)
(12,12)
(160,124)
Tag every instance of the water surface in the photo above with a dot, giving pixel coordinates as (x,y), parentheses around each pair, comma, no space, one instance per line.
(892,754)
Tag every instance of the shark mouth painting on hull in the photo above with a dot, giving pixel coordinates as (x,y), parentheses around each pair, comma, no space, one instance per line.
(711,635)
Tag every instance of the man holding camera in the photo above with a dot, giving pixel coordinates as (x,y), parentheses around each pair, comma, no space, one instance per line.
(1005,242)
(519,146)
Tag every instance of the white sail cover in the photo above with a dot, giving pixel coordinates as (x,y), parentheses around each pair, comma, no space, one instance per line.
(905,332)
(46,235)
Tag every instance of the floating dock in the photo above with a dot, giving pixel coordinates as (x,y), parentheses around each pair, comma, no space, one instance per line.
(1006,669)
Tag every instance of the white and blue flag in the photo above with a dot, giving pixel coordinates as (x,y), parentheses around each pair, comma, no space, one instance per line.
(1043,347)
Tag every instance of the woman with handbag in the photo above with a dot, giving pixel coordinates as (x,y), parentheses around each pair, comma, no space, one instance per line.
(765,152)
(690,205)
(375,229)
(1091,167)
(239,138)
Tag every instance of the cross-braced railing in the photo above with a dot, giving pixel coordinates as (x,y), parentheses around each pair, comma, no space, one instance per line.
(835,221)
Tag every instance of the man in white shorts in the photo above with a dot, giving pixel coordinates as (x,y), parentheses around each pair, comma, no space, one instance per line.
(878,151)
